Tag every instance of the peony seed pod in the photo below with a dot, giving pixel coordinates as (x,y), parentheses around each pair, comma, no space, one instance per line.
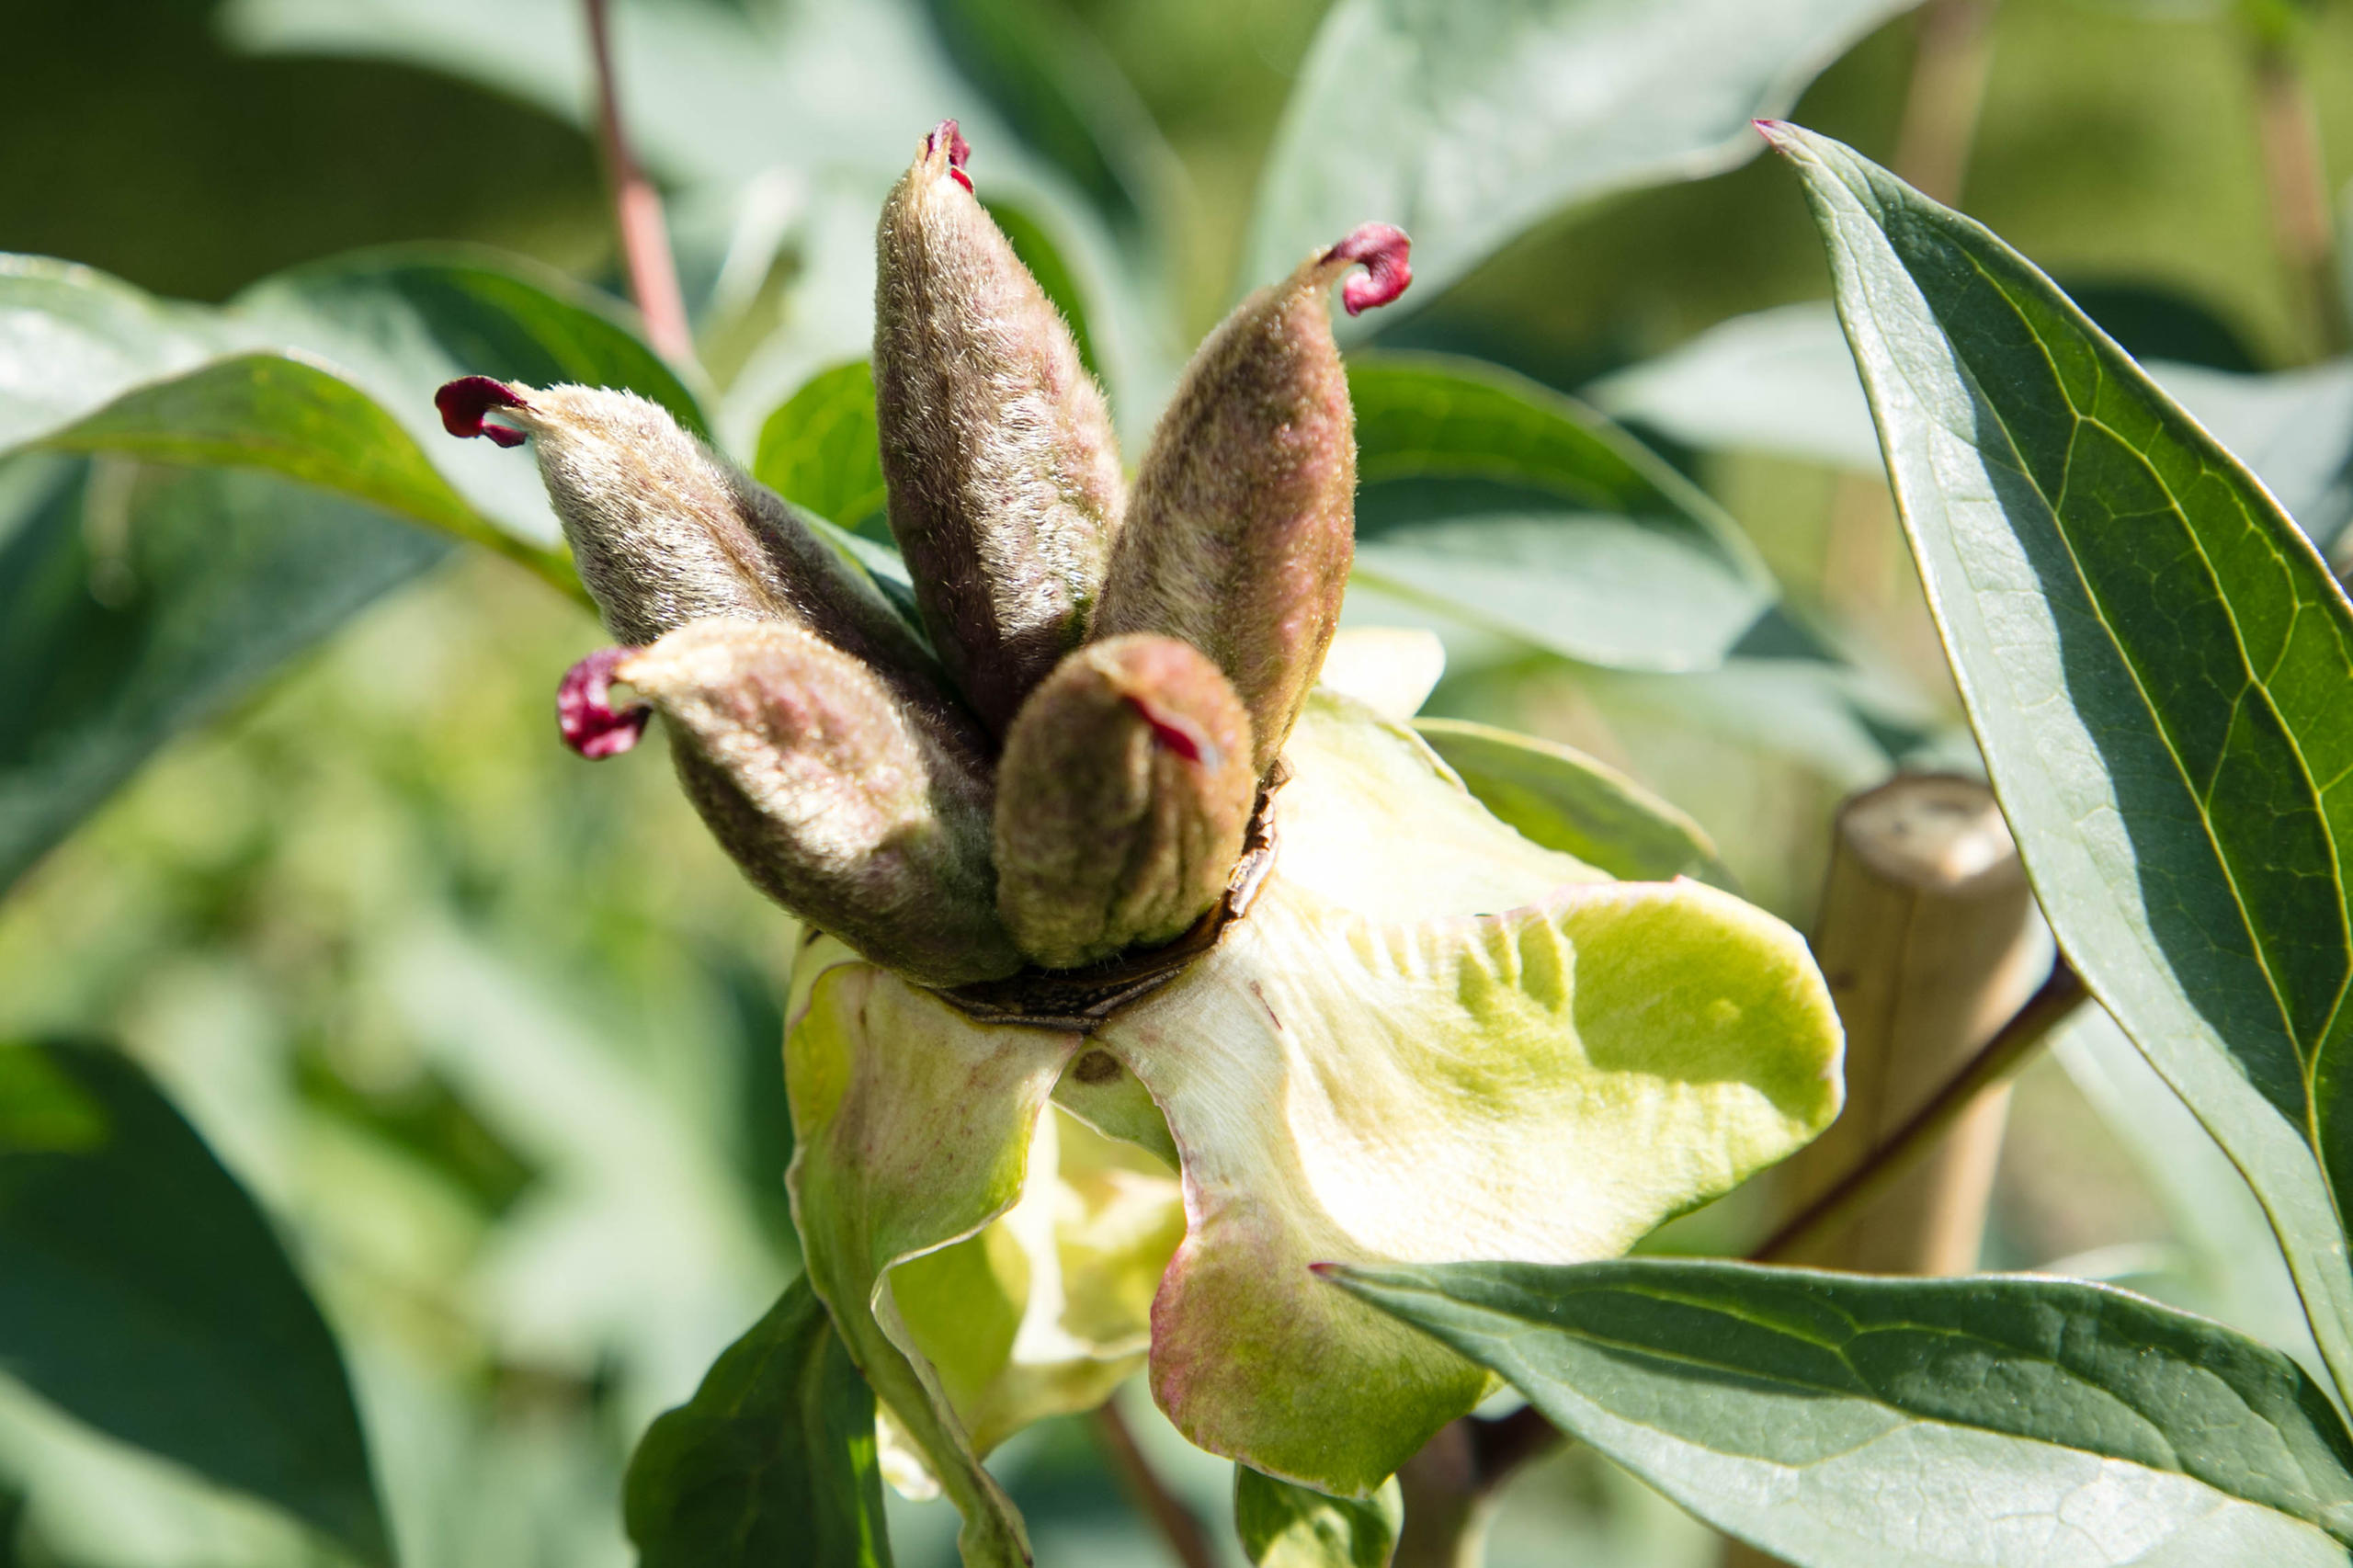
(1243,524)
(1004,473)
(665,531)
(1122,796)
(841,802)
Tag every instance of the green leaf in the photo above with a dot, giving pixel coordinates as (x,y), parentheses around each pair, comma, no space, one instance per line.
(773,1461)
(1565,800)
(820,450)
(1283,1526)
(2232,1269)
(1467,124)
(1502,502)
(187,590)
(135,602)
(324,374)
(2155,662)
(1038,252)
(1840,1421)
(265,410)
(141,1291)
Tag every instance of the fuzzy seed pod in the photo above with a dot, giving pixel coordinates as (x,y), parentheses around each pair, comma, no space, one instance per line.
(839,801)
(1243,525)
(1004,474)
(665,531)
(1122,797)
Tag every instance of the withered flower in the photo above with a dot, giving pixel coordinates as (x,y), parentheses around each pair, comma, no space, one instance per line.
(1141,972)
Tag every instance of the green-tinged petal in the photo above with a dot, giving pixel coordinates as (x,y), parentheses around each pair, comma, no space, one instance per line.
(1282,1526)
(1389,669)
(1430,1040)
(1372,822)
(912,1128)
(1049,1308)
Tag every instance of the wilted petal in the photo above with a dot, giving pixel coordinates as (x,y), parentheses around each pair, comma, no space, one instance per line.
(1462,1046)
(911,1129)
(1482,1067)
(1049,1308)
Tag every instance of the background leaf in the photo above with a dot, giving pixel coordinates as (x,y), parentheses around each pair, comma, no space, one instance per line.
(1466,124)
(2018,1420)
(1507,504)
(135,602)
(1782,382)
(134,607)
(2156,663)
(141,1291)
(1564,800)
(822,449)
(2233,1271)
(1283,1526)
(773,1461)
(325,373)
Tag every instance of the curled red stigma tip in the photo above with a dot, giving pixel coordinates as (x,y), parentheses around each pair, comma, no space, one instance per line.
(585,711)
(945,135)
(1175,733)
(463,402)
(1384,249)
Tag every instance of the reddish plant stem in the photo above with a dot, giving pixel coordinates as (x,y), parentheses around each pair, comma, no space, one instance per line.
(1950,67)
(1995,1061)
(637,210)
(1187,1540)
(2304,228)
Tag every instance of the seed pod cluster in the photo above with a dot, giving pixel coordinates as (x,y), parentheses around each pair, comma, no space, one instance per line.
(1066,772)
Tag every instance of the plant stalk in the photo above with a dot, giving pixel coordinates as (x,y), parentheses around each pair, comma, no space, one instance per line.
(2012,1044)
(637,210)
(2303,227)
(1187,1542)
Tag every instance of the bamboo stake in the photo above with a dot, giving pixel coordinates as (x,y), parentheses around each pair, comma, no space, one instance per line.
(1930,940)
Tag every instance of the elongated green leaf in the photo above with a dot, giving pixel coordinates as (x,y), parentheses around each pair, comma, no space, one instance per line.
(133,609)
(822,451)
(1500,501)
(2232,1269)
(265,411)
(135,602)
(2156,663)
(1565,800)
(1841,1421)
(325,373)
(1466,124)
(398,322)
(773,1461)
(1283,1526)
(142,1291)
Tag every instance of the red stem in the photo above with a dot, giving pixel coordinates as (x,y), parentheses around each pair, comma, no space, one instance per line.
(637,210)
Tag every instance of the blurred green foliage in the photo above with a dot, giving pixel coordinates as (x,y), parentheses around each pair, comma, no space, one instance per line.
(494,1035)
